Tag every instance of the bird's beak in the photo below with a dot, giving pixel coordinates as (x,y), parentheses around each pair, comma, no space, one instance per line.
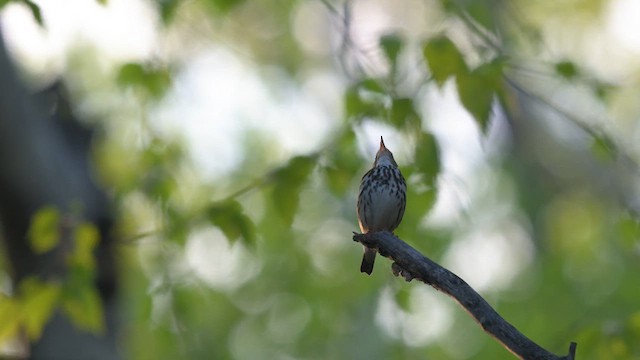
(382,144)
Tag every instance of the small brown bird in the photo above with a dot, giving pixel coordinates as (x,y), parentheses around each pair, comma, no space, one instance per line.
(381,201)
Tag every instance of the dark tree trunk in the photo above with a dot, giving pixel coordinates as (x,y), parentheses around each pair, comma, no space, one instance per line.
(44,162)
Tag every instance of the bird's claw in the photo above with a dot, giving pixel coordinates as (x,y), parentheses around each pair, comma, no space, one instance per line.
(399,271)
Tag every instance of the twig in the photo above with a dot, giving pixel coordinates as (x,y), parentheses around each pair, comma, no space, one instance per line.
(594,133)
(411,264)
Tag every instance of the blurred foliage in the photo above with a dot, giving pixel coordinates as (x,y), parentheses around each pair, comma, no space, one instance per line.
(37,305)
(444,59)
(257,263)
(153,82)
(44,231)
(477,89)
(229,217)
(33,8)
(35,300)
(392,45)
(288,182)
(567,70)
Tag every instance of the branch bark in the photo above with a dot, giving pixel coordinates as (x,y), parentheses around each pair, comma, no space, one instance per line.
(411,264)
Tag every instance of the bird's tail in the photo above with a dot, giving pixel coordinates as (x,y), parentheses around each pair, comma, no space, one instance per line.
(368,259)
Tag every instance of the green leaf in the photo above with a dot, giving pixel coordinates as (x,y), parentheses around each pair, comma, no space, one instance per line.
(477,89)
(342,163)
(402,298)
(443,59)
(372,85)
(38,302)
(86,238)
(391,45)
(356,107)
(80,300)
(162,152)
(567,70)
(230,218)
(352,102)
(420,200)
(221,7)
(603,148)
(44,231)
(483,13)
(158,162)
(629,231)
(601,89)
(152,80)
(338,180)
(178,224)
(35,11)
(427,158)
(288,184)
(84,307)
(159,184)
(10,315)
(403,113)
(476,97)
(479,12)
(168,9)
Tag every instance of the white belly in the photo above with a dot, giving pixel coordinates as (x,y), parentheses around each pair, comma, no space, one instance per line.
(383,213)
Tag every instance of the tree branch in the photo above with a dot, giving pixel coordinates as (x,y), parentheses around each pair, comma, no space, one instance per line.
(411,264)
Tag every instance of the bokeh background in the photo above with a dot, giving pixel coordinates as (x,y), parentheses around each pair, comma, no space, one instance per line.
(229,138)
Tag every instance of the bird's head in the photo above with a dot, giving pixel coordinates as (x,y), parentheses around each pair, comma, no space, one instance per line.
(384,157)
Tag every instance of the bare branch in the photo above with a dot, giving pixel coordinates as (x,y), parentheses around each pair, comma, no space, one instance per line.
(411,264)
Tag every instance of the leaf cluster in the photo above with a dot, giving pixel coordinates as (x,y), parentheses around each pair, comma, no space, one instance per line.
(36,299)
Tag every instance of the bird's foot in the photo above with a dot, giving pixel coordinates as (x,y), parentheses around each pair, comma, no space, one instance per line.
(399,271)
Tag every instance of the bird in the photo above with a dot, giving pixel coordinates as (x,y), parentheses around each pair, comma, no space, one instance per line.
(381,200)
